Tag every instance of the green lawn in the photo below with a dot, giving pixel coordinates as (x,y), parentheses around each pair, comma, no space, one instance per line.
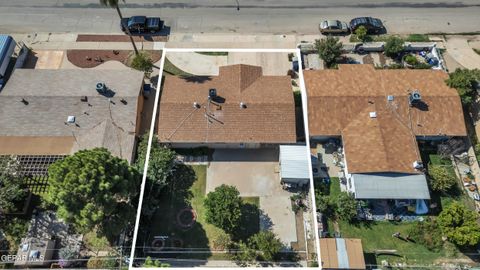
(378,236)
(188,191)
(214,53)
(171,69)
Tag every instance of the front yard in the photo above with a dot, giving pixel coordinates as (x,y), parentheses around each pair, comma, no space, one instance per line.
(188,190)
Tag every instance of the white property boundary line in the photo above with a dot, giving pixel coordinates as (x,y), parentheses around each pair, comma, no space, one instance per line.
(147,157)
(165,51)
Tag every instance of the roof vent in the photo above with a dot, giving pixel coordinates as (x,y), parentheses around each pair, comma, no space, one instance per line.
(84,98)
(196,105)
(243,105)
(212,93)
(373,114)
(390,98)
(101,87)
(414,97)
(417,165)
(24,101)
(71,119)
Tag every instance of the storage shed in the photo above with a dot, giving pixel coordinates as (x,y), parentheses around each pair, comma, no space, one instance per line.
(294,168)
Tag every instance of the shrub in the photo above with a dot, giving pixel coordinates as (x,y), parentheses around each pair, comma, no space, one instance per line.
(440,178)
(101,263)
(267,243)
(222,242)
(428,234)
(346,208)
(361,33)
(459,225)
(393,46)
(410,59)
(142,62)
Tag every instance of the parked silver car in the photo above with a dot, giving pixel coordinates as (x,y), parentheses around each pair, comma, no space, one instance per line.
(333,27)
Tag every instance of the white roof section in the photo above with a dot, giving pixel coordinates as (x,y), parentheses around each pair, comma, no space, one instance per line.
(294,162)
(390,186)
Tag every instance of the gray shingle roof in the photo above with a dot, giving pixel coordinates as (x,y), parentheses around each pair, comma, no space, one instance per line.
(99,122)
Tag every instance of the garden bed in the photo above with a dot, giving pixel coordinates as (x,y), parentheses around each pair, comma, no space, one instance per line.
(93,58)
(120,38)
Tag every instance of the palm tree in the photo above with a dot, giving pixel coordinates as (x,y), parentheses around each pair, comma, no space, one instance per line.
(114,4)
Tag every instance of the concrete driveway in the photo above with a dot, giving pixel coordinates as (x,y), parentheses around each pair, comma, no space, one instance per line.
(460,50)
(196,63)
(254,174)
(275,64)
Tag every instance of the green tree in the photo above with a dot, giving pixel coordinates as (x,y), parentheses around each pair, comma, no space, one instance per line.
(465,81)
(361,33)
(394,46)
(93,190)
(325,204)
(441,178)
(329,50)
(346,206)
(143,62)
(161,165)
(223,208)
(114,4)
(459,225)
(244,256)
(13,190)
(267,243)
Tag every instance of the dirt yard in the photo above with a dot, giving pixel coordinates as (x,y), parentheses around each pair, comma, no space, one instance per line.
(93,58)
(120,38)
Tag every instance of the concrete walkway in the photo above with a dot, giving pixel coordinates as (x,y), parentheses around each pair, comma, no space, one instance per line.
(459,49)
(196,63)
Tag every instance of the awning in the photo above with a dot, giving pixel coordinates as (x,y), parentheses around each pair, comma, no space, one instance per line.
(390,186)
(294,162)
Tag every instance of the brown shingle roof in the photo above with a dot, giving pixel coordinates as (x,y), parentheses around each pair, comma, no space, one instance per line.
(269,116)
(339,102)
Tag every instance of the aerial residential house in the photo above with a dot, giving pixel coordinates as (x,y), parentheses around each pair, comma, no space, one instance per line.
(341,253)
(239,108)
(59,112)
(380,115)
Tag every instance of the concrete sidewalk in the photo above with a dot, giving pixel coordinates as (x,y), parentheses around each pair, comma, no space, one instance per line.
(67,41)
(460,50)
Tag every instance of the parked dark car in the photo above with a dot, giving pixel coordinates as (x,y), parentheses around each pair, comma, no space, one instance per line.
(142,24)
(373,25)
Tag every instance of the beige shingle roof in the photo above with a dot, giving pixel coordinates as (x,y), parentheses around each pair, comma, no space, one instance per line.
(269,116)
(339,103)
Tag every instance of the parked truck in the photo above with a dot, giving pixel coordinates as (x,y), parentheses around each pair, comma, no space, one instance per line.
(141,24)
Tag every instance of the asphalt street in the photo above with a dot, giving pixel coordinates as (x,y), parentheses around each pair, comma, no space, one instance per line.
(240,16)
